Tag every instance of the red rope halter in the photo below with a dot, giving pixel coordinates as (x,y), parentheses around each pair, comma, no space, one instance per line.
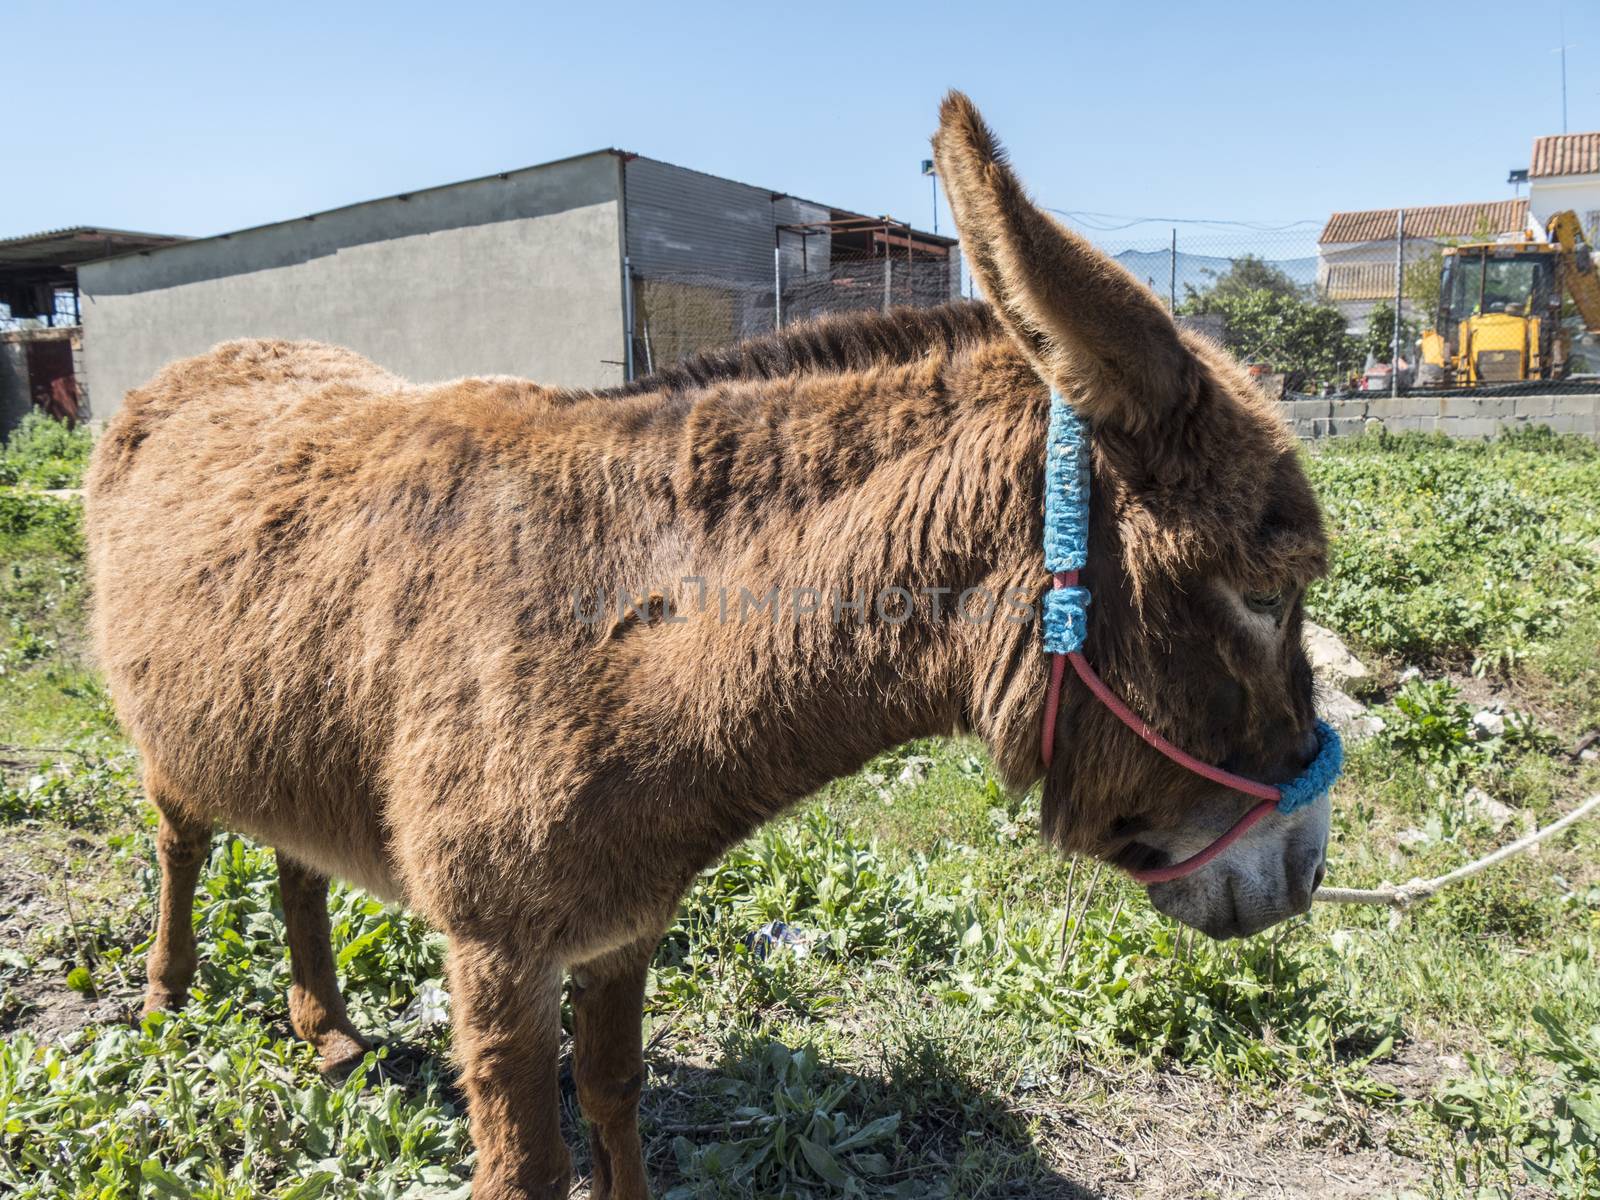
(1265,792)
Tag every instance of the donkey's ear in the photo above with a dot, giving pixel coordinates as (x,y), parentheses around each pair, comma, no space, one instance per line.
(1090,328)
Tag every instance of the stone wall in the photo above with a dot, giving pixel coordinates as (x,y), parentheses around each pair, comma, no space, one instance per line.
(1457,416)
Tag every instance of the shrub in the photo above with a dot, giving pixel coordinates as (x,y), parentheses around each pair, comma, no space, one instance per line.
(45,453)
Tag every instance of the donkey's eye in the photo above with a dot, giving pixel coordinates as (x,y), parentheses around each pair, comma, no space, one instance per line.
(1267,603)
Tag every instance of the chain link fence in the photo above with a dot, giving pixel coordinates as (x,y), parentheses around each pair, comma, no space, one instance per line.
(817,269)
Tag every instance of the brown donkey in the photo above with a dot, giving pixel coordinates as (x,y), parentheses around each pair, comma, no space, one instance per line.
(357,619)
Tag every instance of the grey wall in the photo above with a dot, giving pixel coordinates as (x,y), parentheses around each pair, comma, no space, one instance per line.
(1458,416)
(684,223)
(813,253)
(516,274)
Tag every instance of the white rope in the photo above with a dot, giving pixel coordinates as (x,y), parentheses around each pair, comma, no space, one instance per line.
(1403,896)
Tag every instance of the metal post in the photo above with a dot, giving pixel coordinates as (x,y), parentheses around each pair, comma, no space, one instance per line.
(1399,297)
(627,316)
(888,269)
(1172,277)
(911,270)
(777,288)
(935,179)
(1563,26)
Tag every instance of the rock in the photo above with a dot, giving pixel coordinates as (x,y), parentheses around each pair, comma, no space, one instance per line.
(1410,673)
(1486,723)
(1486,808)
(915,771)
(1411,837)
(1347,714)
(1331,658)
(776,935)
(429,1008)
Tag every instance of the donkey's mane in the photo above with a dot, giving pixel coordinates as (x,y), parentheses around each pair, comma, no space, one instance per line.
(830,345)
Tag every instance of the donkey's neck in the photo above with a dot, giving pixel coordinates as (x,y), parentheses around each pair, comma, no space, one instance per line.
(858,552)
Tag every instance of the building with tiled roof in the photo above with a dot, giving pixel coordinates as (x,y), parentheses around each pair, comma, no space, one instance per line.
(1565,173)
(1565,154)
(1490,217)
(1356,250)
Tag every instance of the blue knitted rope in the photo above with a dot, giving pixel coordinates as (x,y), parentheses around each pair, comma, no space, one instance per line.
(1317,778)
(1066,525)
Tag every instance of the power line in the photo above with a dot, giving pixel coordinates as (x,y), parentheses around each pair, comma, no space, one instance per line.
(1093,220)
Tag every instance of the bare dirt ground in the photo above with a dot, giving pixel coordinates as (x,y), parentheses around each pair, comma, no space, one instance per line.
(52,879)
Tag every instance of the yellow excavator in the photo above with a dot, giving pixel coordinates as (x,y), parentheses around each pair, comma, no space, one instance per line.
(1499,317)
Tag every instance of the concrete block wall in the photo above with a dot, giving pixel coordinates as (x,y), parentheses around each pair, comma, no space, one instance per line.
(1455,416)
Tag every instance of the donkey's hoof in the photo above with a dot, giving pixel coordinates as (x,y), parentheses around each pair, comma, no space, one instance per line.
(162,1000)
(339,1054)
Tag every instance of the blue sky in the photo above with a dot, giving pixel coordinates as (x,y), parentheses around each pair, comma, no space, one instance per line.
(202,118)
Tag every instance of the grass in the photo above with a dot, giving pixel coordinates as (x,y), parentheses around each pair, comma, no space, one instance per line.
(956,1012)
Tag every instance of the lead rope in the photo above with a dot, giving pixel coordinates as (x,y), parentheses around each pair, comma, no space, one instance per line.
(1066,627)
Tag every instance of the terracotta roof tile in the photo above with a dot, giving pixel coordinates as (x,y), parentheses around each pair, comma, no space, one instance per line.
(1566,154)
(1432,221)
(1359,281)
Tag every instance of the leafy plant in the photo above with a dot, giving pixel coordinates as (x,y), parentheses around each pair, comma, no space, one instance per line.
(1427,721)
(801,1140)
(91,792)
(45,453)
(1445,552)
(1545,1128)
(1285,330)
(1378,343)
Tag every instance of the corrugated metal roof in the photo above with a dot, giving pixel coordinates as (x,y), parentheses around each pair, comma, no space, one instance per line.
(1431,221)
(1565,154)
(75,244)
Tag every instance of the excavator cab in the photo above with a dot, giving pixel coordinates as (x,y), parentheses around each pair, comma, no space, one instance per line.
(1499,308)
(1499,317)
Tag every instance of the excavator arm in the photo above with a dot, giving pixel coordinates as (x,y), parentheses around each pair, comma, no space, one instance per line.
(1577,266)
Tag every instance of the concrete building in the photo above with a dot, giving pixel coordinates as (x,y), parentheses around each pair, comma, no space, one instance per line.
(41,342)
(1565,173)
(1356,250)
(579,272)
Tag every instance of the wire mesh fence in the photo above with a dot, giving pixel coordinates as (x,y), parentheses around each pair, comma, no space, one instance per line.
(817,269)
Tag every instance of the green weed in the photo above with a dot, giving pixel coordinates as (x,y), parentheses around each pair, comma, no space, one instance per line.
(45,453)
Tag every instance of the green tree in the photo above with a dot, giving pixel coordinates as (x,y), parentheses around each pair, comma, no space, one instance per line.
(1294,335)
(1419,283)
(1247,274)
(1379,339)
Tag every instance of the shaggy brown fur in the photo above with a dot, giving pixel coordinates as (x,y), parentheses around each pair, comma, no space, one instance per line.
(335,611)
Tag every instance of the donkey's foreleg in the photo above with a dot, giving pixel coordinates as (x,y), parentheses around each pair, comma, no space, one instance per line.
(181,847)
(508,1038)
(316,1007)
(608,1065)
